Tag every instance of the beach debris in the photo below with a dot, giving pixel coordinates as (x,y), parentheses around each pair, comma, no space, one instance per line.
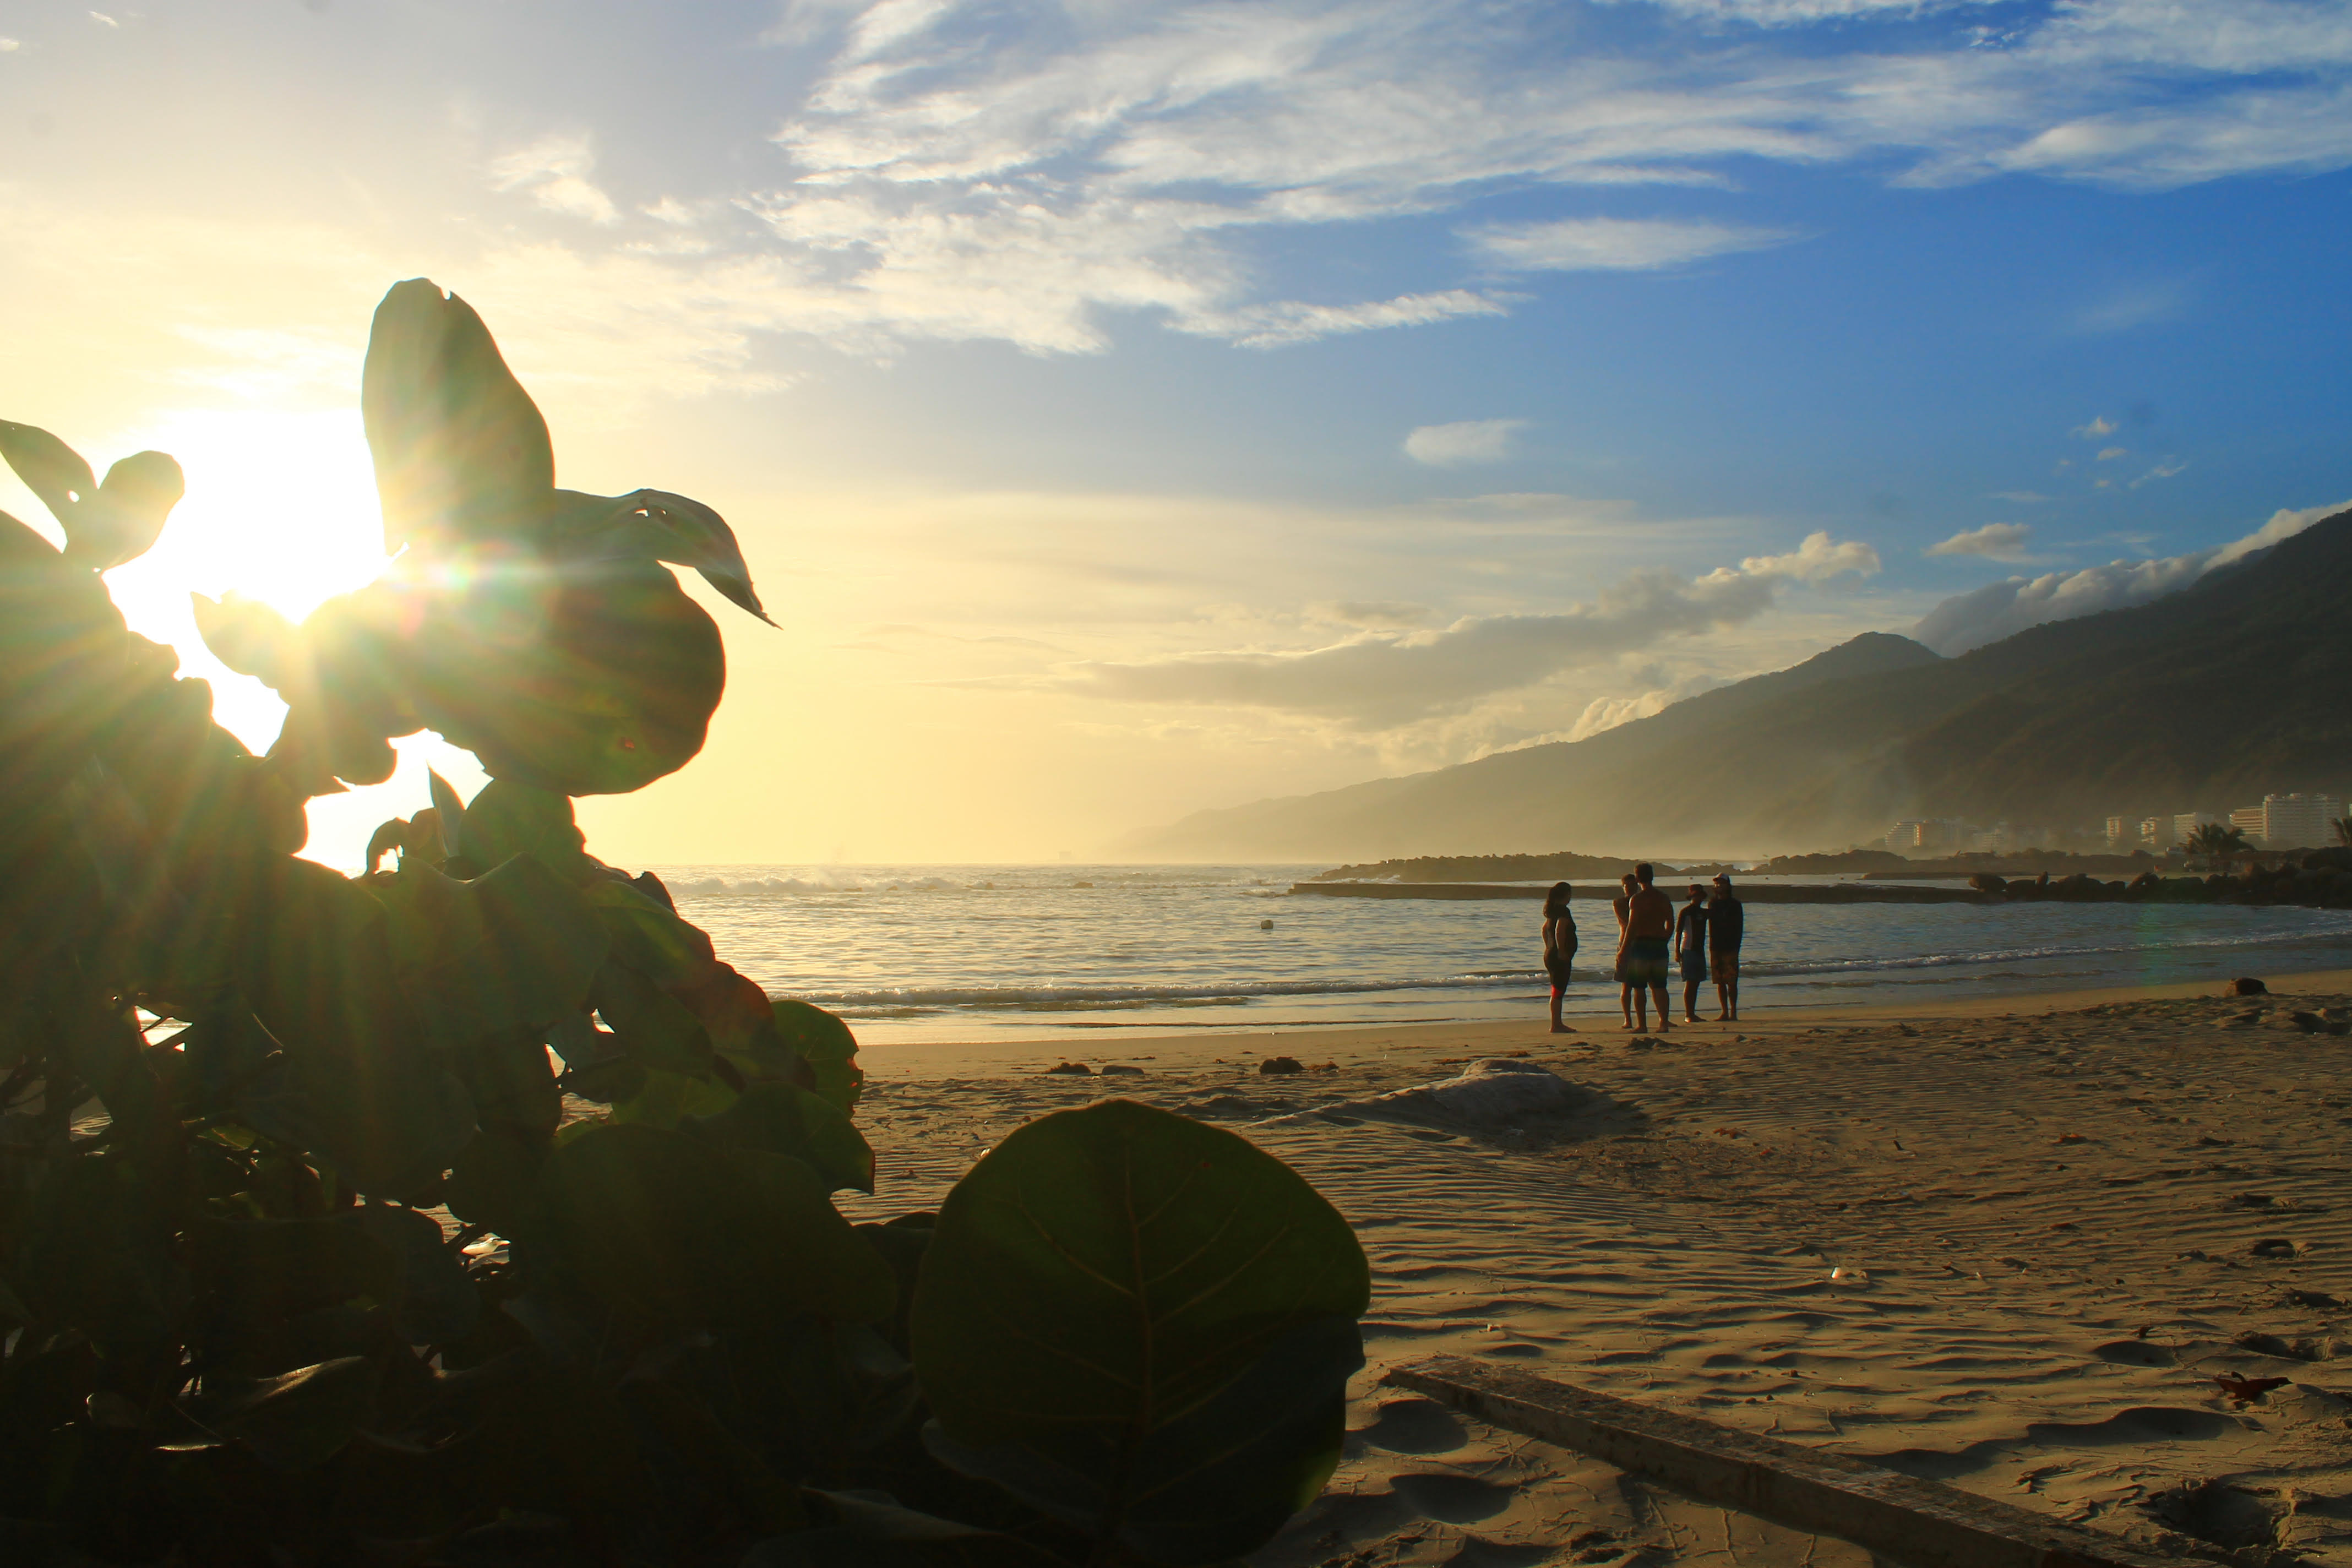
(1274,1067)
(2315,1299)
(1266,925)
(2273,1246)
(2247,985)
(2071,1138)
(1071,1070)
(1845,1276)
(1121,1067)
(2250,1200)
(2245,1389)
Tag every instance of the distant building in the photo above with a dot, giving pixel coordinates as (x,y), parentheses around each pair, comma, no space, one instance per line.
(2250,821)
(2119,834)
(1928,835)
(2185,826)
(2298,821)
(2156,834)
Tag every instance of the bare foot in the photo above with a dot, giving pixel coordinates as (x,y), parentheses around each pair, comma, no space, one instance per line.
(1561,1029)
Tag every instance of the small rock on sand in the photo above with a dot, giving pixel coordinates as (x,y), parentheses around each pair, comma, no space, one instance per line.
(2247,985)
(1274,1067)
(1072,1069)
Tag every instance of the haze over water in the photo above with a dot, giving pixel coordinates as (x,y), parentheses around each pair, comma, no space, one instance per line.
(1095,953)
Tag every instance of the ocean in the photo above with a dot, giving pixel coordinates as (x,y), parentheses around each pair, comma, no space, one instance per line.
(1091,952)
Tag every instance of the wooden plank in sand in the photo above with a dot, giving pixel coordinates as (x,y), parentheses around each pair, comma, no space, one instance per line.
(1920,1523)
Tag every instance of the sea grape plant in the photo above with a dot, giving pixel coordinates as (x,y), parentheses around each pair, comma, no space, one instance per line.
(471,1210)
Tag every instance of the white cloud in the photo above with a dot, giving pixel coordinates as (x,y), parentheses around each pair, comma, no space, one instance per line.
(1468,441)
(1817,560)
(2110,453)
(103,20)
(1603,244)
(2101,426)
(1608,713)
(2163,470)
(1370,613)
(1797,13)
(1994,541)
(1379,679)
(554,170)
(9,46)
(2003,610)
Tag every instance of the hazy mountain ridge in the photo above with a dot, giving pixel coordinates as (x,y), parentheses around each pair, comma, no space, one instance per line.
(2236,684)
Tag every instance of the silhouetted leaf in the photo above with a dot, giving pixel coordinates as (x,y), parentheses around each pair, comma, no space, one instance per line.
(461,452)
(494,1182)
(387,838)
(822,1041)
(785,1120)
(450,814)
(50,469)
(433,1302)
(297,1422)
(687,1234)
(511,951)
(506,818)
(649,1025)
(1143,1326)
(649,937)
(655,525)
(867,1532)
(251,637)
(607,682)
(126,516)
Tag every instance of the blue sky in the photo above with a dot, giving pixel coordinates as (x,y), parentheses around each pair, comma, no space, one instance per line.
(1150,406)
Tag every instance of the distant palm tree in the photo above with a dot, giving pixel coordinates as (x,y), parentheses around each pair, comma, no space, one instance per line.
(2217,842)
(2343,825)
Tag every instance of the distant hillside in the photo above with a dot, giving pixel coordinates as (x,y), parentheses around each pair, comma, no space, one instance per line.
(1561,866)
(2200,700)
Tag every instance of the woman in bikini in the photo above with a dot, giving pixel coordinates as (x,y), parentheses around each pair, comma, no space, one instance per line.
(1558,947)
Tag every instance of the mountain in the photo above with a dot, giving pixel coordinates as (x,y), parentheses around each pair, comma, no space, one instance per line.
(2203,700)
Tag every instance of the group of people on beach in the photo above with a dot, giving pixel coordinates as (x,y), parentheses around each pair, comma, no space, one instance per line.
(1655,942)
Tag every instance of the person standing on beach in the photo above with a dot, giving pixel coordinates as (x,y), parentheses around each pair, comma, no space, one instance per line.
(1643,962)
(1726,920)
(1690,948)
(1559,947)
(1627,886)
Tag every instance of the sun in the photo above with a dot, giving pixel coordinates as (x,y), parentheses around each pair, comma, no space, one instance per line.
(282,507)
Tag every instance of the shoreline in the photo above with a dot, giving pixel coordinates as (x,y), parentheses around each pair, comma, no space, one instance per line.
(986,1055)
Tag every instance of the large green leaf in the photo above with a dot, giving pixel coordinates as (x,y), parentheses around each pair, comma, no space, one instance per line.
(461,452)
(648,936)
(650,1026)
(785,1120)
(823,1042)
(435,1303)
(1144,1326)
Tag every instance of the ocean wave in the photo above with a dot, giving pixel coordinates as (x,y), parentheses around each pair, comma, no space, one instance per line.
(1049,998)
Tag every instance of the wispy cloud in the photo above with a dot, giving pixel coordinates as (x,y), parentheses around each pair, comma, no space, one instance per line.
(2163,470)
(554,170)
(2098,426)
(1993,542)
(1468,441)
(1384,679)
(2022,497)
(2001,609)
(2110,453)
(1604,244)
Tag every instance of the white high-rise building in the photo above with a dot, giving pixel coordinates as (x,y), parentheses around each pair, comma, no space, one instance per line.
(2185,826)
(2299,821)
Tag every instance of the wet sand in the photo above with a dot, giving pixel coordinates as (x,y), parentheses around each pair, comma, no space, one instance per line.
(2059,1217)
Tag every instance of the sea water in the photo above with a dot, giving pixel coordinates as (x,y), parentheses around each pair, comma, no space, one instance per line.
(1093,952)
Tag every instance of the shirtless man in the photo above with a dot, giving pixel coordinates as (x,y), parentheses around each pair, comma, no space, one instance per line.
(1644,963)
(1626,888)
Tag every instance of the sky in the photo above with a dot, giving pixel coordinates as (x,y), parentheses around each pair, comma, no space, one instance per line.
(1128,409)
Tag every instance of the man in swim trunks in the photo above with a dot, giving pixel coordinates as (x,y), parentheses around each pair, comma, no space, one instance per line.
(1690,948)
(1626,888)
(1727,922)
(1644,963)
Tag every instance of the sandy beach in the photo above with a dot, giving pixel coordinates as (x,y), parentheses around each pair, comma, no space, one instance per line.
(2051,1221)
